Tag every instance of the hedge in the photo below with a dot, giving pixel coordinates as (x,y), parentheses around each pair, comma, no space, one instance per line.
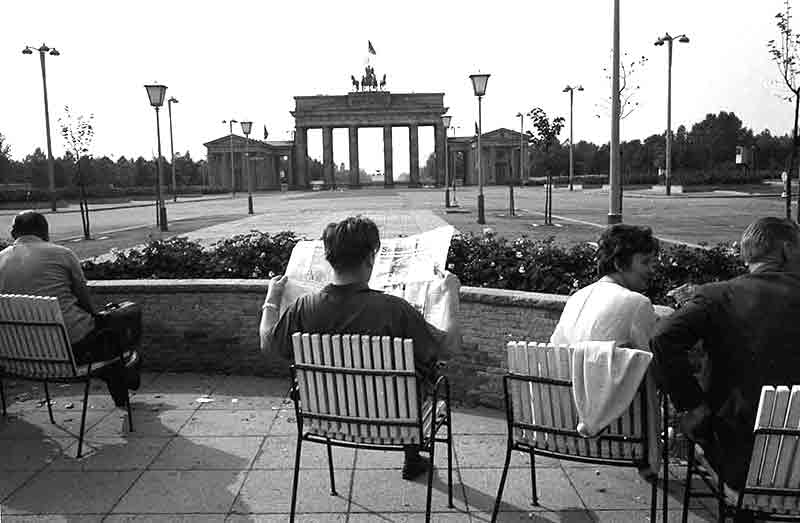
(479,261)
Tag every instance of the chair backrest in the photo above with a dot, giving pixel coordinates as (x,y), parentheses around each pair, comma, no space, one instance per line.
(539,392)
(773,478)
(358,388)
(33,339)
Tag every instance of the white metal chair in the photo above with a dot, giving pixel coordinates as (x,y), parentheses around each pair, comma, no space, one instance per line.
(34,346)
(772,487)
(363,391)
(542,419)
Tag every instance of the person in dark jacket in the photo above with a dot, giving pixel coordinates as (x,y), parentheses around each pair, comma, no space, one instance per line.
(750,327)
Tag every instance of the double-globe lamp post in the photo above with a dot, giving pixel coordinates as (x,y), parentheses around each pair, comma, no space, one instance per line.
(172,100)
(571,90)
(246,128)
(233,178)
(156,94)
(446,124)
(479,82)
(667,38)
(51,176)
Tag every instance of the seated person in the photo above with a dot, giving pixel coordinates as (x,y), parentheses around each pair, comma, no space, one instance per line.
(34,266)
(749,328)
(348,306)
(613,308)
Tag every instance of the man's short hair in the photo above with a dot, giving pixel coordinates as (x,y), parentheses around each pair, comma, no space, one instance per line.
(30,223)
(619,243)
(350,242)
(764,238)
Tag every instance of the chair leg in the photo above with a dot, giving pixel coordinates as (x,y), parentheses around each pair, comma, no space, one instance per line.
(449,457)
(49,407)
(654,500)
(430,474)
(83,416)
(502,484)
(3,396)
(534,493)
(330,469)
(665,456)
(687,492)
(296,476)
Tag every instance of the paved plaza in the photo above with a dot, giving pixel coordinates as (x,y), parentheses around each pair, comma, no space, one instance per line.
(221,448)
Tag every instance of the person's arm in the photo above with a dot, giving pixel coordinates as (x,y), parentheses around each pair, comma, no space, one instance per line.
(643,324)
(674,338)
(270,315)
(78,283)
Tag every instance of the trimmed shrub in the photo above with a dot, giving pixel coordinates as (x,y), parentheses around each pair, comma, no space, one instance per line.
(478,261)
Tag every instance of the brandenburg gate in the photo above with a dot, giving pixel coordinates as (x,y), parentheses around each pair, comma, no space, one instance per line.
(359,109)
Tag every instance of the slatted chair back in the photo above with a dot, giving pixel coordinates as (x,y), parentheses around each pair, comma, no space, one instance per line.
(33,339)
(773,479)
(358,388)
(546,401)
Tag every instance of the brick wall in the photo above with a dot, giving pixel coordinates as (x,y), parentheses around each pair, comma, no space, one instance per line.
(212,326)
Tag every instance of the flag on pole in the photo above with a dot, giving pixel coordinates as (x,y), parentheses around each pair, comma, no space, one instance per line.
(265,132)
(370,48)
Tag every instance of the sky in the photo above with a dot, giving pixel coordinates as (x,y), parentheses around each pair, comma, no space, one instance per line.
(246,60)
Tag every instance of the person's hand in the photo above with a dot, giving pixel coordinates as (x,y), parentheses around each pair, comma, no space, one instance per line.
(275,289)
(693,419)
(451,282)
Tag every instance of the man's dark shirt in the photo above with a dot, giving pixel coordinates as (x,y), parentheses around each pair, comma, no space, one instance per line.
(357,309)
(750,327)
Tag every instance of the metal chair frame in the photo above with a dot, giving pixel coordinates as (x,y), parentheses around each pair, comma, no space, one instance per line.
(532,451)
(427,441)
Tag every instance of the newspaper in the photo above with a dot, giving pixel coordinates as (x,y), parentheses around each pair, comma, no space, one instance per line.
(411,267)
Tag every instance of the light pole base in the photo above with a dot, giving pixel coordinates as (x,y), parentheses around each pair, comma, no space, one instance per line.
(447,197)
(249,204)
(614,218)
(481,213)
(163,224)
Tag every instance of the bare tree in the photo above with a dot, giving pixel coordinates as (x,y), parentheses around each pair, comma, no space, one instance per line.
(784,53)
(628,87)
(546,135)
(78,134)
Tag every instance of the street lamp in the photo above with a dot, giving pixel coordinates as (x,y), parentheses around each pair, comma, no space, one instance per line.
(51,176)
(668,39)
(479,82)
(615,188)
(172,100)
(446,123)
(246,127)
(156,95)
(512,210)
(233,179)
(571,89)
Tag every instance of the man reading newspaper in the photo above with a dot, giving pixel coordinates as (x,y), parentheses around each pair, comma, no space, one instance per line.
(348,305)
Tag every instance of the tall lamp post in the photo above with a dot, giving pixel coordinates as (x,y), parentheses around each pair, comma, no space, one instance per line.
(233,178)
(668,39)
(571,89)
(51,176)
(521,116)
(479,86)
(246,128)
(454,202)
(156,94)
(172,100)
(615,189)
(446,123)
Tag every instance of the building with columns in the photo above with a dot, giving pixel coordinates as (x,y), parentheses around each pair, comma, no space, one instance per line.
(500,157)
(270,162)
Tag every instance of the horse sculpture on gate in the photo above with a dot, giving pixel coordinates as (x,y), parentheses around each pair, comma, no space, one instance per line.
(369,81)
(355,82)
(383,82)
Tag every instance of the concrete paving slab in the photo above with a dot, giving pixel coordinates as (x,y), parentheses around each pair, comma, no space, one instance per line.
(53,518)
(270,492)
(479,421)
(284,424)
(245,392)
(165,518)
(278,452)
(146,423)
(485,451)
(36,425)
(115,453)
(299,518)
(556,493)
(610,488)
(541,516)
(642,516)
(208,453)
(379,491)
(12,480)
(184,491)
(228,423)
(31,454)
(390,517)
(78,493)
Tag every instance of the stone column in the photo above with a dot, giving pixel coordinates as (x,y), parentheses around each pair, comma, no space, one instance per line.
(354,175)
(327,156)
(388,171)
(438,148)
(413,155)
(226,170)
(290,168)
(300,157)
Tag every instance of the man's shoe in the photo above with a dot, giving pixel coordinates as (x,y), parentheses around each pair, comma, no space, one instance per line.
(415,467)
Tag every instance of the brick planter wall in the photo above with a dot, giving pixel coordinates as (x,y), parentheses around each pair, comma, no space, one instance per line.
(212,326)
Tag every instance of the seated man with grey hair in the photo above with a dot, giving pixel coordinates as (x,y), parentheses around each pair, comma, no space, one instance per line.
(749,327)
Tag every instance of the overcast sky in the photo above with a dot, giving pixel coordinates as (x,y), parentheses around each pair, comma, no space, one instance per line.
(246,60)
